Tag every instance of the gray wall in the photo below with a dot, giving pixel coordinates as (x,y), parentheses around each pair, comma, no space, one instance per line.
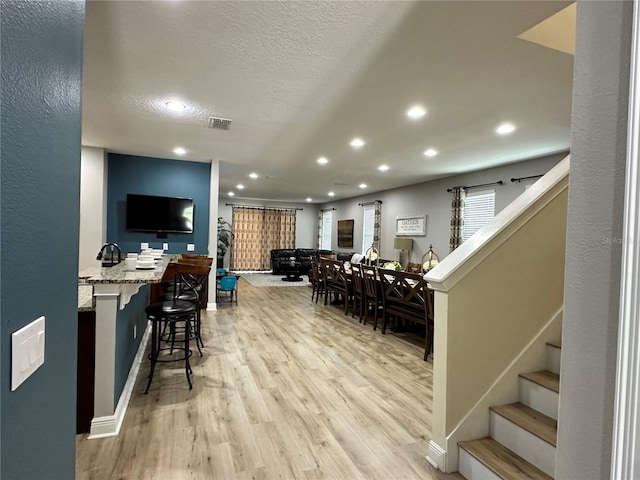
(594,230)
(41,93)
(432,199)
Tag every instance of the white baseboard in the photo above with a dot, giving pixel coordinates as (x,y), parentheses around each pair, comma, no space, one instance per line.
(211,306)
(437,456)
(109,425)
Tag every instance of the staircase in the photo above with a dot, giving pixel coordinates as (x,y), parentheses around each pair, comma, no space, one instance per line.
(523,434)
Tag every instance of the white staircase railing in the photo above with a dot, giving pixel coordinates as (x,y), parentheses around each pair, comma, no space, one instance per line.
(493,296)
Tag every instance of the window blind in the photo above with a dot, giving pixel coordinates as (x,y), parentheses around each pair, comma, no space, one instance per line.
(479,208)
(327,217)
(368,221)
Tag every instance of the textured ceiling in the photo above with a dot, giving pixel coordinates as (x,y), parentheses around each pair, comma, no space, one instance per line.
(301,79)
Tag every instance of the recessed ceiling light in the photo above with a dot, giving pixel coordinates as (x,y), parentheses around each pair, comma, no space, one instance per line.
(357,143)
(322,161)
(175,106)
(383,168)
(309,199)
(363,185)
(179,151)
(505,129)
(430,153)
(331,194)
(231,194)
(240,186)
(416,112)
(253,175)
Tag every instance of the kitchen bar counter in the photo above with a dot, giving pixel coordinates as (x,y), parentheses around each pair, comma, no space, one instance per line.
(85,298)
(119,274)
(113,289)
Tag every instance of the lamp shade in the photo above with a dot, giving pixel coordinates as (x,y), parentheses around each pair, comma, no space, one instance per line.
(400,243)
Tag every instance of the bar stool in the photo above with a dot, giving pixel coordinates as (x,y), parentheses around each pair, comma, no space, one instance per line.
(177,314)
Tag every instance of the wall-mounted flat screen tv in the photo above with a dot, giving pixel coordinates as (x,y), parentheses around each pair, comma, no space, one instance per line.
(148,213)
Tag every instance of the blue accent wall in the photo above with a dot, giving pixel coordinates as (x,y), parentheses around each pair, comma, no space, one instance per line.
(161,177)
(41,47)
(127,346)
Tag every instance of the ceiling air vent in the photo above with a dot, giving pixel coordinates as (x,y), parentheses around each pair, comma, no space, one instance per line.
(219,123)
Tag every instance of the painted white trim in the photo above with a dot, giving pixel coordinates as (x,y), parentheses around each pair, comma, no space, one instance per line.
(128,290)
(109,426)
(506,223)
(625,458)
(212,306)
(472,469)
(437,456)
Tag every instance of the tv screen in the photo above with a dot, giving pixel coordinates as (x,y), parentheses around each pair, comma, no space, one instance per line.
(148,213)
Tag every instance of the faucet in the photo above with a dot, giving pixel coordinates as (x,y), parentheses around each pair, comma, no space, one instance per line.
(109,261)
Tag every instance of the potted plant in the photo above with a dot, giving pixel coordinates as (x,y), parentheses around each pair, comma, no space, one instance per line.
(225,235)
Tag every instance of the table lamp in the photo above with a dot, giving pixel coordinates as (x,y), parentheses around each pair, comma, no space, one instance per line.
(402,244)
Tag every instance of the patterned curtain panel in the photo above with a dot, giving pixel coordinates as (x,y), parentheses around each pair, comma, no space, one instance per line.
(377,224)
(457,217)
(246,251)
(257,231)
(319,228)
(279,232)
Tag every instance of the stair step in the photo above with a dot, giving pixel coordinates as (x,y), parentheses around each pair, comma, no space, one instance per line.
(544,378)
(502,461)
(543,427)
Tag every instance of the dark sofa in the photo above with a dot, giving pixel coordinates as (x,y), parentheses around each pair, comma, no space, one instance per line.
(280,258)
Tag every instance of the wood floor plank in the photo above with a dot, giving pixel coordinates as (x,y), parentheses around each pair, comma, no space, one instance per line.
(286,389)
(543,427)
(502,461)
(544,378)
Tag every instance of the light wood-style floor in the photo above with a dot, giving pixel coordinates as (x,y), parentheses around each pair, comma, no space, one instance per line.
(286,389)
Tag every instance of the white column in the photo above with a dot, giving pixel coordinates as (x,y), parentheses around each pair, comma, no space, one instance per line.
(213,229)
(626,427)
(105,350)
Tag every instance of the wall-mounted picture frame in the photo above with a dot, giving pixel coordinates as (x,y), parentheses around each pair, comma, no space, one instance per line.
(345,233)
(411,226)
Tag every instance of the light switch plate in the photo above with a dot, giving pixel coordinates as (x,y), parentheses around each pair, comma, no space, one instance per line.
(165,246)
(191,247)
(27,351)
(144,246)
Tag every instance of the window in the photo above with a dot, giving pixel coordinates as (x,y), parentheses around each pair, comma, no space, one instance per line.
(368,220)
(325,240)
(479,208)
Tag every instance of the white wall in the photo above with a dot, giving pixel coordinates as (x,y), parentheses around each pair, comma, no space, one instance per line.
(93,215)
(432,199)
(594,232)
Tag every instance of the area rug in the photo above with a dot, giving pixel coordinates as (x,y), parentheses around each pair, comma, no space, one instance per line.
(270,280)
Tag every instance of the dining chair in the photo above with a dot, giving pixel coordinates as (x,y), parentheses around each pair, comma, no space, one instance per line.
(358,291)
(406,296)
(227,286)
(372,292)
(317,280)
(337,281)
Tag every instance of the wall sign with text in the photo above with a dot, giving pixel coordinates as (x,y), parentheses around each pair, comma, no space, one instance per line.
(411,226)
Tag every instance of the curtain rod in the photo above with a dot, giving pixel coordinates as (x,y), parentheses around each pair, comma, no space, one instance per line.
(370,203)
(260,207)
(499,182)
(526,178)
(327,209)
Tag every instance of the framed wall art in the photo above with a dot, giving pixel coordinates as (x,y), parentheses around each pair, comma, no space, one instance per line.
(345,233)
(413,226)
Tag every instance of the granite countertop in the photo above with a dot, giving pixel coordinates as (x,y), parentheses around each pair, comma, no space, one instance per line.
(120,274)
(85,298)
